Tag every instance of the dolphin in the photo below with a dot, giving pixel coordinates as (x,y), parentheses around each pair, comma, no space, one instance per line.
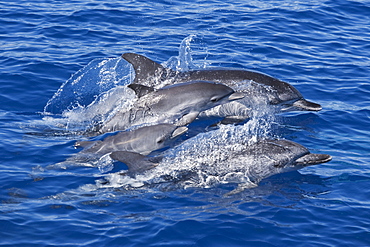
(245,164)
(177,104)
(277,93)
(142,140)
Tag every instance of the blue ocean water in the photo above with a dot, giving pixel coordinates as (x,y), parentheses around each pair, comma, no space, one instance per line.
(320,47)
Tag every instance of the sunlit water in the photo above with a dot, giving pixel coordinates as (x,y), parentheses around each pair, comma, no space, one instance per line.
(61,74)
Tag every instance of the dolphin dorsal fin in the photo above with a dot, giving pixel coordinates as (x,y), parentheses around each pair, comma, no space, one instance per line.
(145,68)
(141,90)
(135,162)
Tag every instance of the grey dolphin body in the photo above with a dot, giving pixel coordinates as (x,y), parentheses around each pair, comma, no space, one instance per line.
(246,166)
(278,93)
(177,104)
(143,140)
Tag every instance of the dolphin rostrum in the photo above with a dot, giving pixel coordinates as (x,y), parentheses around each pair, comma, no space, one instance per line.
(245,164)
(277,92)
(177,104)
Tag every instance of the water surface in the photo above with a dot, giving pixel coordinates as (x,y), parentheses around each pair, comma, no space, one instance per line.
(320,47)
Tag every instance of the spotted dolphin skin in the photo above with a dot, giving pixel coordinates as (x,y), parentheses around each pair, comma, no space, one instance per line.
(246,166)
(177,104)
(148,72)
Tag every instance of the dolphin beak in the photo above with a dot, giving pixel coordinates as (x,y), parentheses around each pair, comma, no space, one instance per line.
(179,131)
(236,95)
(313,159)
(305,105)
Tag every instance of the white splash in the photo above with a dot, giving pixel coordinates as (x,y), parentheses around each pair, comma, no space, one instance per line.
(205,160)
(89,97)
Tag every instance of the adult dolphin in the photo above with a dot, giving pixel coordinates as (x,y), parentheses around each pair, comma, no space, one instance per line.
(148,72)
(246,165)
(177,104)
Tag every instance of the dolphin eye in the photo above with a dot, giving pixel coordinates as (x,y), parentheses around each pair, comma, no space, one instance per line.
(161,140)
(214,99)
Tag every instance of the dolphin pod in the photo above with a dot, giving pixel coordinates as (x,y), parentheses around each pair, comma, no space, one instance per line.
(253,162)
(160,115)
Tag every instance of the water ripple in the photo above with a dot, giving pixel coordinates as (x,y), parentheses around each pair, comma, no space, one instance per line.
(321,47)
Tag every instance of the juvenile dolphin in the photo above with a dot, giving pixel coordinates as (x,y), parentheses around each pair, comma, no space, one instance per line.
(243,164)
(177,104)
(143,140)
(280,93)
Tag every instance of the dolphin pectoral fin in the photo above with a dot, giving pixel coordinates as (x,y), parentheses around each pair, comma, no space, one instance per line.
(179,131)
(141,90)
(236,96)
(233,119)
(241,188)
(144,67)
(187,118)
(305,105)
(135,162)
